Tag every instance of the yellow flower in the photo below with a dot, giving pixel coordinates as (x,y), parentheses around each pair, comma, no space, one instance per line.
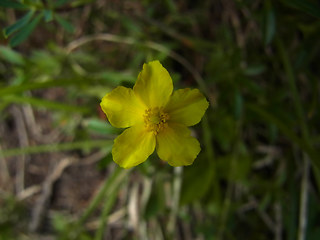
(155,118)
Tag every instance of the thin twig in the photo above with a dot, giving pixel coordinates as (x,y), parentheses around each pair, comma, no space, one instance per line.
(35,129)
(28,192)
(23,142)
(133,207)
(5,175)
(177,182)
(40,207)
(278,224)
(303,219)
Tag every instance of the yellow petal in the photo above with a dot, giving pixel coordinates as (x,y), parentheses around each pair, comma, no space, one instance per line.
(122,107)
(186,106)
(154,85)
(133,146)
(176,146)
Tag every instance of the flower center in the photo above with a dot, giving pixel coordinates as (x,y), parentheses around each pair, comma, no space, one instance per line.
(155,119)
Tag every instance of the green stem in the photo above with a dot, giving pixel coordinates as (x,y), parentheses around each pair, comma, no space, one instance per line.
(89,144)
(111,196)
(102,192)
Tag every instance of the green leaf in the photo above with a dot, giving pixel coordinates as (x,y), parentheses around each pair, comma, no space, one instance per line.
(193,186)
(99,127)
(12,4)
(24,33)
(156,202)
(254,69)
(48,15)
(305,6)
(11,56)
(64,23)
(270,26)
(18,24)
(59,3)
(114,77)
(238,105)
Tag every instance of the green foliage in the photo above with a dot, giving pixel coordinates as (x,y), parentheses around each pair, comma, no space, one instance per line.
(18,24)
(11,56)
(307,6)
(257,63)
(37,10)
(12,4)
(12,217)
(65,24)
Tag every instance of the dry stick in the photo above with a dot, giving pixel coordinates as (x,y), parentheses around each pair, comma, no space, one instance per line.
(113,219)
(35,129)
(264,216)
(278,223)
(177,182)
(23,142)
(304,199)
(32,190)
(39,210)
(145,196)
(253,205)
(28,192)
(133,207)
(152,45)
(5,176)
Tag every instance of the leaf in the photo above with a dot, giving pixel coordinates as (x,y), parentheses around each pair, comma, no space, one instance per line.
(48,15)
(197,180)
(18,24)
(59,3)
(254,69)
(270,26)
(25,32)
(156,202)
(64,23)
(238,105)
(99,127)
(12,4)
(10,55)
(305,6)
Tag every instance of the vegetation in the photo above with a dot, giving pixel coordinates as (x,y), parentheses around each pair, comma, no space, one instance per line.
(258,173)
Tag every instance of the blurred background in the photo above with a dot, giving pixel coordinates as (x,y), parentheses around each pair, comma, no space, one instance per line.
(257,176)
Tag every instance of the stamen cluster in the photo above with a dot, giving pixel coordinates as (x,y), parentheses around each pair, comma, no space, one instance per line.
(155,119)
